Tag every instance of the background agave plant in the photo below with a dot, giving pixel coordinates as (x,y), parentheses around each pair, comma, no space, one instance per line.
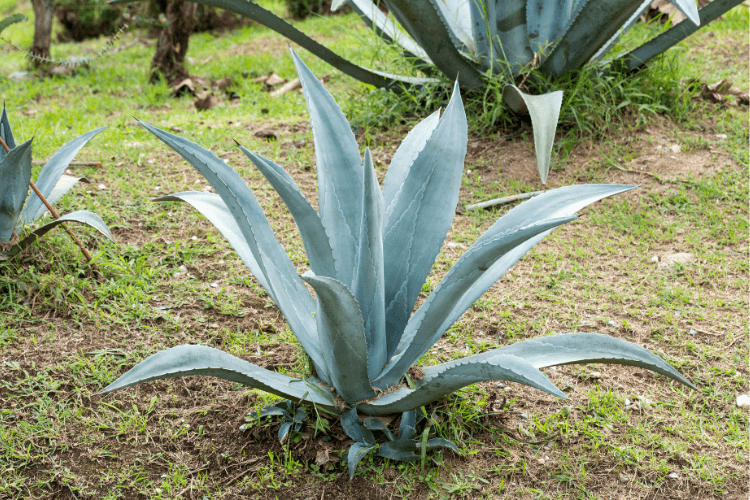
(472,39)
(370,251)
(19,209)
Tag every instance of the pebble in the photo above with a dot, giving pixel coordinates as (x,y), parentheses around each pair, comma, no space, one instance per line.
(595,375)
(692,332)
(523,416)
(743,400)
(102,187)
(623,478)
(500,386)
(19,75)
(654,259)
(721,136)
(627,402)
(674,475)
(675,148)
(610,323)
(214,285)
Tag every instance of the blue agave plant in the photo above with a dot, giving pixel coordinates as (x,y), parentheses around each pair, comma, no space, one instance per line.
(370,250)
(19,209)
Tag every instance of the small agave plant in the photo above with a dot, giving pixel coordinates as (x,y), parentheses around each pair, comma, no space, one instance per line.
(19,209)
(370,250)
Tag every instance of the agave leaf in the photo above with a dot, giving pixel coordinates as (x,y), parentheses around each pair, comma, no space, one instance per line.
(632,20)
(689,9)
(457,16)
(421,216)
(15,174)
(407,427)
(595,24)
(433,317)
(369,285)
(64,184)
(400,451)
(641,55)
(51,173)
(272,411)
(569,348)
(446,378)
(544,111)
(284,430)
(257,13)
(402,161)
(435,443)
(355,428)
(339,166)
(82,216)
(379,22)
(357,452)
(342,338)
(425,21)
(314,237)
(6,133)
(186,360)
(284,285)
(547,21)
(374,424)
(512,34)
(213,208)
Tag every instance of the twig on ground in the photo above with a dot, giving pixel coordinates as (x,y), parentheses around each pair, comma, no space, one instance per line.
(502,201)
(72,163)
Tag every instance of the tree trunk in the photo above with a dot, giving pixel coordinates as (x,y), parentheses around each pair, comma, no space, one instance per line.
(43,14)
(172,46)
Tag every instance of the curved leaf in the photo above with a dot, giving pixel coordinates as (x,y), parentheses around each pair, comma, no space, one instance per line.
(380,24)
(11,20)
(51,173)
(15,174)
(6,133)
(407,427)
(356,453)
(213,208)
(544,111)
(374,424)
(284,430)
(340,186)
(368,279)
(420,216)
(569,348)
(64,184)
(355,427)
(435,443)
(434,316)
(596,23)
(257,13)
(283,283)
(632,20)
(314,237)
(425,21)
(547,21)
(82,216)
(446,378)
(400,451)
(186,360)
(641,55)
(342,338)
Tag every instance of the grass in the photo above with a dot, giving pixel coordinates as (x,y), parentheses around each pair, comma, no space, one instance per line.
(172,279)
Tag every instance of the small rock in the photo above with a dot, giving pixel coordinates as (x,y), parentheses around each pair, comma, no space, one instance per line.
(102,187)
(156,188)
(721,136)
(19,75)
(500,386)
(743,400)
(627,402)
(644,402)
(610,323)
(692,332)
(468,172)
(670,260)
(214,285)
(623,478)
(523,416)
(595,375)
(674,475)
(654,259)
(676,148)
(194,238)
(677,313)
(540,461)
